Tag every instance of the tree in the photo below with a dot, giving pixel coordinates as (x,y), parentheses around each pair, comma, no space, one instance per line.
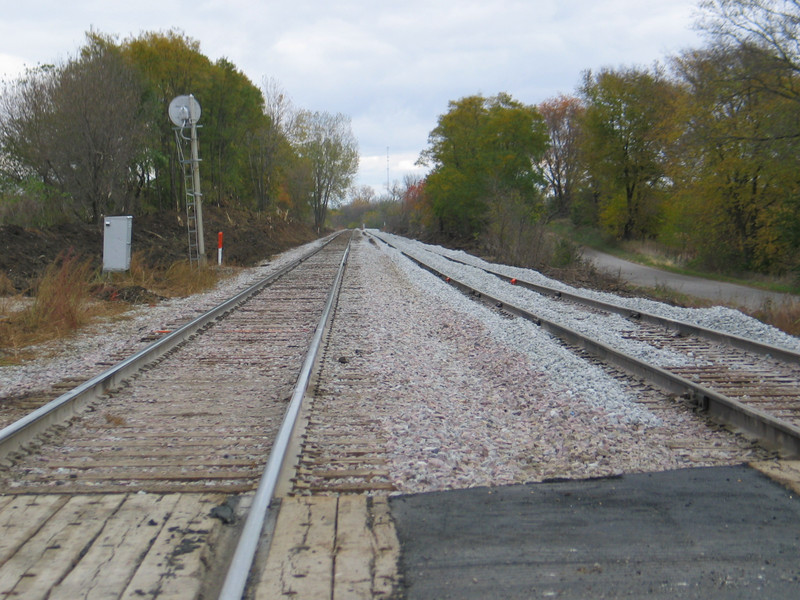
(415,207)
(735,158)
(627,127)
(78,128)
(326,144)
(26,124)
(484,154)
(170,65)
(562,167)
(269,151)
(234,108)
(772,25)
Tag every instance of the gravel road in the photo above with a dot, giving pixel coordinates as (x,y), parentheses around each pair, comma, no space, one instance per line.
(716,291)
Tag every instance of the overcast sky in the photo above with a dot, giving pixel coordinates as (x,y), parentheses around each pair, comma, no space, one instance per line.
(391,66)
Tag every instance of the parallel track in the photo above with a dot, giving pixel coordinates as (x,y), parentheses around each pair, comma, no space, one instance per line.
(744,383)
(204,419)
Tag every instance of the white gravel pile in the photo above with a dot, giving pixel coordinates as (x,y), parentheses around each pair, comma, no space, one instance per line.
(79,355)
(463,396)
(577,377)
(723,319)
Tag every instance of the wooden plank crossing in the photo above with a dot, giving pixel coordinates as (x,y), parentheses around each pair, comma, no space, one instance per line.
(93,546)
(331,547)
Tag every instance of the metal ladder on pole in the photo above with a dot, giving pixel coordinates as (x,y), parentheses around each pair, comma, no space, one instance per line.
(191,204)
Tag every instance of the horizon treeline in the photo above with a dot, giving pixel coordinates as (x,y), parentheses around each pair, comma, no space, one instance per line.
(92,137)
(700,155)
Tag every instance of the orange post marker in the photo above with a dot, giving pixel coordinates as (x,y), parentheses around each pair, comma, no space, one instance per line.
(513,281)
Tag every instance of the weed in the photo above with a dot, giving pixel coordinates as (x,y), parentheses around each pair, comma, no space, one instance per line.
(183,279)
(566,254)
(64,299)
(61,297)
(61,305)
(6,285)
(785,316)
(179,279)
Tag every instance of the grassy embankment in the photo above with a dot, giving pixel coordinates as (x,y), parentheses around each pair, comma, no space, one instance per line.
(70,294)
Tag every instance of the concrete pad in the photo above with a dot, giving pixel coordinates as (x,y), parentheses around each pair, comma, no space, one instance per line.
(696,533)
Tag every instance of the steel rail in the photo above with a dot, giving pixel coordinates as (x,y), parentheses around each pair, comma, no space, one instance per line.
(239,570)
(70,403)
(773,432)
(681,327)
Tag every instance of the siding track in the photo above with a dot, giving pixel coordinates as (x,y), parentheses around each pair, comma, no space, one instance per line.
(745,383)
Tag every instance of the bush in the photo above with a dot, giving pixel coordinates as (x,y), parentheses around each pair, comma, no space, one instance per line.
(566,254)
(61,296)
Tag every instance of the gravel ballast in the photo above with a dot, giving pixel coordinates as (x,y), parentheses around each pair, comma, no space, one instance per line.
(464,395)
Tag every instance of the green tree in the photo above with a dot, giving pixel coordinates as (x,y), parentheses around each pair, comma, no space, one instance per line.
(78,128)
(562,167)
(233,109)
(329,150)
(762,37)
(627,127)
(740,155)
(171,65)
(270,154)
(765,32)
(484,155)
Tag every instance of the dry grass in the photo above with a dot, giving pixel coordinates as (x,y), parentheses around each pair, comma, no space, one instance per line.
(785,316)
(179,280)
(184,279)
(63,302)
(61,297)
(6,285)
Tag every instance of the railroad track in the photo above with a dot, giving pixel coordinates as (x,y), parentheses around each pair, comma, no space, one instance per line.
(161,451)
(744,383)
(168,471)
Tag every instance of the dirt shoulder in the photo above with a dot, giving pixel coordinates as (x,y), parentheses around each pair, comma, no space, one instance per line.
(157,240)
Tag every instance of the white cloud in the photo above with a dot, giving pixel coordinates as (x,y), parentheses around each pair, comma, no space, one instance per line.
(392,67)
(11,66)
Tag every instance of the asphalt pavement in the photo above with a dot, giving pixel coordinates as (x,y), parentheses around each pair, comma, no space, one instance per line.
(707,533)
(716,291)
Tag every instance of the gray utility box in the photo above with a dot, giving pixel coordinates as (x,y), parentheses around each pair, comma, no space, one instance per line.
(117,243)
